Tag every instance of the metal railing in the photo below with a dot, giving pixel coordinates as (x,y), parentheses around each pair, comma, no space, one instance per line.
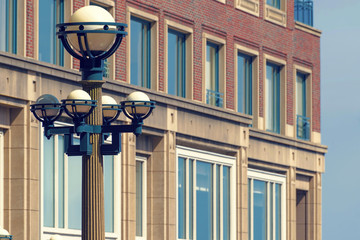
(302,127)
(214,98)
(303,11)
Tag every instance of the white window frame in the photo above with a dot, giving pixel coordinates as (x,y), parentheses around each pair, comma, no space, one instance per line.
(144,198)
(268,177)
(214,158)
(66,233)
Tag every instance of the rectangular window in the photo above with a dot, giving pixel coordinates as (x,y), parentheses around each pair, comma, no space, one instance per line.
(272,91)
(274,3)
(62,188)
(8,25)
(51,12)
(140,198)
(266,206)
(176,63)
(140,52)
(244,97)
(301,214)
(213,95)
(303,11)
(203,196)
(302,121)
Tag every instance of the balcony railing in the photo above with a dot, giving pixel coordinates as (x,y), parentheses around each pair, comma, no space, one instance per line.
(304,11)
(214,98)
(302,127)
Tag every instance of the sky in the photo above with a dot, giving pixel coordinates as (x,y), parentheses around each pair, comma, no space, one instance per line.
(339,22)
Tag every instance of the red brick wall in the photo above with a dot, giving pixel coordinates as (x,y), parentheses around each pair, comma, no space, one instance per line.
(235,26)
(30,28)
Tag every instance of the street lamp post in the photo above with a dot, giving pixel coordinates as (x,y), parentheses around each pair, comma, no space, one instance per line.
(91,40)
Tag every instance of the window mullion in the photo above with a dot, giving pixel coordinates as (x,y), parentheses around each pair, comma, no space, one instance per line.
(66,205)
(252,208)
(56,181)
(274,212)
(267,211)
(187,211)
(221,202)
(194,201)
(214,217)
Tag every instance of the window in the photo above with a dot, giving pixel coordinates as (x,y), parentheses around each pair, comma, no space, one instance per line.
(176,63)
(274,3)
(140,52)
(61,190)
(204,195)
(272,93)
(244,87)
(140,198)
(51,12)
(8,25)
(303,11)
(302,121)
(301,215)
(212,76)
(267,205)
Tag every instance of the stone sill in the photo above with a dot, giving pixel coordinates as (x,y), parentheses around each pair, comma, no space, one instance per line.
(308,29)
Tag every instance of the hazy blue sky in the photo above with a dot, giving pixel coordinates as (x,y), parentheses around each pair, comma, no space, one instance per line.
(339,22)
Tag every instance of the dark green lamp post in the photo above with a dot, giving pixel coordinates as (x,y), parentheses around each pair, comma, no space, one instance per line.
(92,36)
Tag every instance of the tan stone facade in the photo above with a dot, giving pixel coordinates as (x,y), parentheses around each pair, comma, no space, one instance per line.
(174,122)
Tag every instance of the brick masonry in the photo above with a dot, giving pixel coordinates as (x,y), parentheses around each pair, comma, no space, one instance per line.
(230,24)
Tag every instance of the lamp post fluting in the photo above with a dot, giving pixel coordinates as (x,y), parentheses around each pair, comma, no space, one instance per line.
(91,40)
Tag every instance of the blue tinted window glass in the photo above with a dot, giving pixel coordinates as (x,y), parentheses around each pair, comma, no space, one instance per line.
(74,190)
(109,193)
(3,24)
(244,84)
(226,203)
(51,12)
(218,181)
(61,180)
(274,3)
(204,202)
(272,89)
(176,65)
(49,182)
(277,211)
(140,52)
(139,198)
(8,24)
(191,198)
(181,198)
(259,209)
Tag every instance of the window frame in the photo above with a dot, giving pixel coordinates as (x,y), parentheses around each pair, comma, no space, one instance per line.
(47,232)
(143,160)
(188,76)
(58,52)
(11,28)
(221,43)
(153,47)
(267,177)
(215,159)
(308,98)
(283,127)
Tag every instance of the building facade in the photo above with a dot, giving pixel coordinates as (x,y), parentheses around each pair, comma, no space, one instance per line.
(232,150)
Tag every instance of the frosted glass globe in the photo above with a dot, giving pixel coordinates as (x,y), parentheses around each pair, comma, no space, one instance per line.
(48,100)
(108,112)
(139,98)
(98,42)
(78,95)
